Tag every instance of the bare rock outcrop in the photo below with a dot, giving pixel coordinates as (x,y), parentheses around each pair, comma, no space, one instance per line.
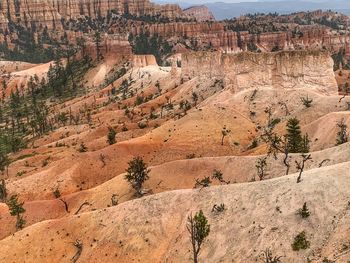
(201,13)
(140,61)
(278,70)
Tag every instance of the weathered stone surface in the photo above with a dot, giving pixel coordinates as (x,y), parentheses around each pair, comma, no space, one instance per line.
(279,70)
(49,13)
(140,61)
(111,46)
(201,13)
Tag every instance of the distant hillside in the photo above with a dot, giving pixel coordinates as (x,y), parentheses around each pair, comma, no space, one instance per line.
(223,10)
(229,10)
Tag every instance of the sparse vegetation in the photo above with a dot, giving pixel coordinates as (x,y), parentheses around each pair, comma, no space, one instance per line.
(137,174)
(307,102)
(342,135)
(296,143)
(261,165)
(218,208)
(103,159)
(16,209)
(111,135)
(114,200)
(199,229)
(142,125)
(224,132)
(79,246)
(205,182)
(218,175)
(82,148)
(4,162)
(3,191)
(195,98)
(304,211)
(300,242)
(268,257)
(301,165)
(57,193)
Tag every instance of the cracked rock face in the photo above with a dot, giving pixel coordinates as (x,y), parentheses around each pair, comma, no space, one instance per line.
(280,70)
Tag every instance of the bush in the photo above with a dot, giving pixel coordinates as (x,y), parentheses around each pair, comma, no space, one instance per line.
(304,211)
(111,136)
(300,242)
(205,182)
(254,144)
(306,101)
(82,148)
(142,125)
(57,193)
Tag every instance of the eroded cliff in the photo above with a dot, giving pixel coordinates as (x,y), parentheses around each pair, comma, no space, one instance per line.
(49,13)
(201,13)
(279,70)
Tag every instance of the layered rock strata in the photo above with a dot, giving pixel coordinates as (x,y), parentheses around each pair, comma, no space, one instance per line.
(278,70)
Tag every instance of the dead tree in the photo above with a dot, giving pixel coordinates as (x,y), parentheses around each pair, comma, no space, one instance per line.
(301,165)
(65,204)
(114,200)
(224,133)
(81,206)
(285,106)
(323,162)
(267,257)
(79,245)
(268,111)
(277,144)
(103,159)
(343,97)
(218,208)
(261,166)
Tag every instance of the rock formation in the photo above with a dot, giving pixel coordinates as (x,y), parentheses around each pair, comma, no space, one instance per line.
(281,70)
(111,45)
(201,13)
(49,13)
(144,61)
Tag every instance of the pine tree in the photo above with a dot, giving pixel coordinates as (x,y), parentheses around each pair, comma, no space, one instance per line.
(111,136)
(4,162)
(342,135)
(304,211)
(97,41)
(305,146)
(57,78)
(16,209)
(137,174)
(293,136)
(3,191)
(199,230)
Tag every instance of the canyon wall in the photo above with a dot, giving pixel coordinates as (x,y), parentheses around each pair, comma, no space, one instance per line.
(111,46)
(216,35)
(278,70)
(49,13)
(206,35)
